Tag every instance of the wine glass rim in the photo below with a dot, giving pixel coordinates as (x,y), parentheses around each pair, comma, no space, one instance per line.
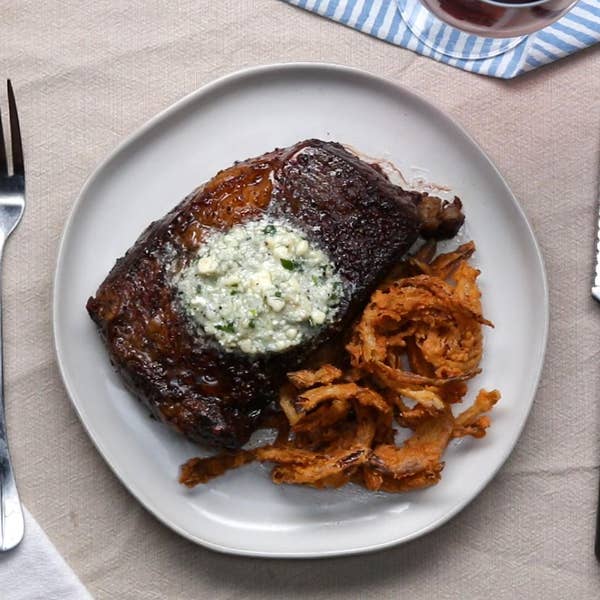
(507,4)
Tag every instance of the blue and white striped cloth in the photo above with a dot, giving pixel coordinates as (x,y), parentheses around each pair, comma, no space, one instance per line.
(578,29)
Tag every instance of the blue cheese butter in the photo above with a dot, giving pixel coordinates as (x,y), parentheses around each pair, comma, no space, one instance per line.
(260,287)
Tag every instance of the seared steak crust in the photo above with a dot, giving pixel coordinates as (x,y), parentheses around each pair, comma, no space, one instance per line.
(363,222)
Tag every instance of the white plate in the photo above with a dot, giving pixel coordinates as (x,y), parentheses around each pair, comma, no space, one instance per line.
(244,115)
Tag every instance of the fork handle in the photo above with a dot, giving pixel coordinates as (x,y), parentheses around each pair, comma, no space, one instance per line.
(12,526)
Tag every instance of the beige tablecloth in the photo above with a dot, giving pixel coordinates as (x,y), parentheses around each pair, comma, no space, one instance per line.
(89,73)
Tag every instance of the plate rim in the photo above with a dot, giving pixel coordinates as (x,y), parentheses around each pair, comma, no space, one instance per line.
(175,107)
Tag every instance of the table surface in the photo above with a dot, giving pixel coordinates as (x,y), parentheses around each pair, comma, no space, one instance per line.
(87,74)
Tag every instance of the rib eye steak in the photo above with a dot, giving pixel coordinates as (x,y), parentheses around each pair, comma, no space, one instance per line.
(212,393)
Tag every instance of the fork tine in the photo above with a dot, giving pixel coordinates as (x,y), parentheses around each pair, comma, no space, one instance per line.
(15,133)
(3,163)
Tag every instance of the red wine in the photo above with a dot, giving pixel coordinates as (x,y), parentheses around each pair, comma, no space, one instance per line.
(510,18)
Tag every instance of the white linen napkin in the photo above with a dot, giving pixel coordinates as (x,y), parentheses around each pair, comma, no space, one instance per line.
(34,570)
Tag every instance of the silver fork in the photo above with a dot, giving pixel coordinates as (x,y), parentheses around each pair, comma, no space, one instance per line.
(12,205)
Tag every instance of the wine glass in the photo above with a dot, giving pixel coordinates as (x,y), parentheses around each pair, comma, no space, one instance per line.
(494,27)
